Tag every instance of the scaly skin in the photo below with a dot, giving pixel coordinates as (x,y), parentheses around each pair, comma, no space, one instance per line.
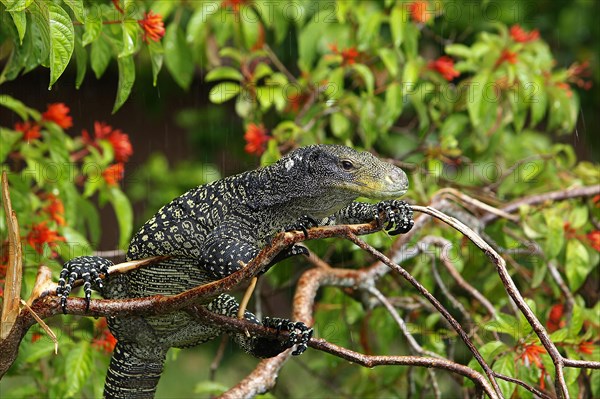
(210,229)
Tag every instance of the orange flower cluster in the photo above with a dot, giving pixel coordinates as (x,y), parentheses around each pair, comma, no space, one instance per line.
(153,26)
(508,56)
(349,55)
(55,209)
(41,234)
(56,112)
(556,320)
(121,145)
(445,66)
(256,138)
(520,35)
(418,11)
(113,174)
(30,130)
(235,5)
(594,239)
(104,340)
(59,114)
(531,355)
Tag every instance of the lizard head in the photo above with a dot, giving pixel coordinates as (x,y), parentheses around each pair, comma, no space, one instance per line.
(350,173)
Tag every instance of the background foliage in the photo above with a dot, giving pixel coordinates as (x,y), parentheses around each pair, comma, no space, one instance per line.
(481,97)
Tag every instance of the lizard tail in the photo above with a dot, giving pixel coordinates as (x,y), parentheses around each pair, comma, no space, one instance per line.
(134,371)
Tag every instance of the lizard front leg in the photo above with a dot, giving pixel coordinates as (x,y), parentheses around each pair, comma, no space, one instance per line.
(87,268)
(396,215)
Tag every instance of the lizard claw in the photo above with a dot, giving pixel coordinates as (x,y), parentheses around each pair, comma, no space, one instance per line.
(303,223)
(300,333)
(87,268)
(396,215)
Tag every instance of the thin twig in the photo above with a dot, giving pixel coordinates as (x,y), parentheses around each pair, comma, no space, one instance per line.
(586,191)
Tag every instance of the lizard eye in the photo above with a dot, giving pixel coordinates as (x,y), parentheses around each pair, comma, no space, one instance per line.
(347,165)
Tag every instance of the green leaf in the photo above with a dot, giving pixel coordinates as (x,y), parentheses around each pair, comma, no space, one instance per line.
(20,20)
(41,32)
(18,107)
(577,264)
(17,5)
(8,138)
(78,9)
(475,97)
(124,213)
(62,40)
(75,245)
(224,73)
(92,28)
(576,323)
(78,366)
(223,91)
(458,50)
(340,125)
(178,57)
(126,79)
(157,55)
(366,75)
(578,217)
(390,60)
(506,365)
(394,102)
(90,217)
(410,75)
(199,18)
(491,349)
(262,70)
(335,86)
(100,56)
(130,32)
(538,100)
(81,58)
(398,20)
(555,234)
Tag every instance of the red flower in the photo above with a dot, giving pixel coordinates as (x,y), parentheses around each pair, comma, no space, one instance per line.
(507,55)
(596,200)
(31,130)
(104,340)
(418,11)
(586,347)
(520,35)
(531,354)
(256,137)
(233,4)
(55,209)
(349,55)
(59,114)
(119,141)
(594,238)
(555,318)
(113,174)
(40,234)
(445,66)
(153,26)
(121,145)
